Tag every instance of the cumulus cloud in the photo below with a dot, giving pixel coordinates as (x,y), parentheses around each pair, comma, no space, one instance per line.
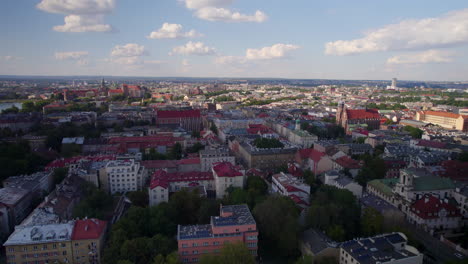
(129,50)
(81,15)
(273,52)
(429,56)
(226,15)
(11,58)
(193,48)
(197,4)
(129,54)
(71,55)
(185,63)
(230,60)
(415,34)
(172,31)
(215,10)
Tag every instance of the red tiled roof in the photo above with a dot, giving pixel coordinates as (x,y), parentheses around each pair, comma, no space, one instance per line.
(362,114)
(163,178)
(347,162)
(455,170)
(294,170)
(119,91)
(298,200)
(189,161)
(305,153)
(159,164)
(440,113)
(178,113)
(316,155)
(226,169)
(433,205)
(431,144)
(88,229)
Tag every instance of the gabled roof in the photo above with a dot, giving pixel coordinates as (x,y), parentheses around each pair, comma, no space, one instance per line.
(226,169)
(429,207)
(362,114)
(347,162)
(88,229)
(316,155)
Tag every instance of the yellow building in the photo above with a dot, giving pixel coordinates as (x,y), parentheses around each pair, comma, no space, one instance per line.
(78,242)
(444,119)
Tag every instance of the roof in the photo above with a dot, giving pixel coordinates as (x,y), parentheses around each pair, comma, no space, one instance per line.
(316,155)
(317,241)
(442,114)
(226,169)
(430,183)
(39,234)
(430,207)
(384,185)
(233,215)
(455,170)
(11,196)
(362,114)
(347,162)
(178,113)
(162,178)
(88,229)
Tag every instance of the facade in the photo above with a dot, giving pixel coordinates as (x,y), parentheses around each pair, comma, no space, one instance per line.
(227,175)
(210,156)
(123,176)
(292,187)
(387,248)
(162,183)
(15,205)
(432,213)
(444,119)
(187,119)
(77,242)
(349,118)
(333,178)
(235,224)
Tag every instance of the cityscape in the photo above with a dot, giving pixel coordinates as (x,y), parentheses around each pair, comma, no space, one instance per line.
(128,138)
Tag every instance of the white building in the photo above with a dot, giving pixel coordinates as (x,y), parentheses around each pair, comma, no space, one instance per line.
(333,178)
(432,213)
(124,176)
(288,185)
(387,248)
(210,156)
(227,175)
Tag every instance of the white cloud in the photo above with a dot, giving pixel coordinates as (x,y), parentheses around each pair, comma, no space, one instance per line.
(11,58)
(274,52)
(185,63)
(129,50)
(193,48)
(172,31)
(215,10)
(130,54)
(230,60)
(447,30)
(226,15)
(429,56)
(197,4)
(81,15)
(71,55)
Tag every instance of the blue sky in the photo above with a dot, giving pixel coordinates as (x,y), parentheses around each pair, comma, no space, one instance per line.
(412,40)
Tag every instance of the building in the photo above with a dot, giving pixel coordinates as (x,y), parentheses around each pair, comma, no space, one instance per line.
(350,119)
(15,205)
(433,213)
(88,240)
(235,224)
(210,156)
(318,245)
(123,176)
(227,175)
(187,119)
(444,119)
(78,242)
(37,183)
(292,187)
(162,183)
(340,181)
(387,248)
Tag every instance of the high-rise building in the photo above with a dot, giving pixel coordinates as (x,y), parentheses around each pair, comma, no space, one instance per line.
(394,83)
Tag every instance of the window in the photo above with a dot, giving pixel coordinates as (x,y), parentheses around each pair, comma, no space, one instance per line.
(10,249)
(64,253)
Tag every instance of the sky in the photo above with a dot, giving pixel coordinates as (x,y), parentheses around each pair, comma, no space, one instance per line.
(310,39)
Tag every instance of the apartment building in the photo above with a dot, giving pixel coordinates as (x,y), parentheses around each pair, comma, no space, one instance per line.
(444,119)
(210,156)
(292,187)
(227,175)
(78,242)
(123,176)
(387,248)
(235,224)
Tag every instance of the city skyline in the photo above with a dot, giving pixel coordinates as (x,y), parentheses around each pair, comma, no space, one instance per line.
(236,38)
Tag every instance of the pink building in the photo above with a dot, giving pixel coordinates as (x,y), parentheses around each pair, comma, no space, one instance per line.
(235,224)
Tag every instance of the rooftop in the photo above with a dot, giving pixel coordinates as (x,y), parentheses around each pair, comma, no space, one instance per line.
(226,169)
(11,196)
(40,234)
(88,229)
(235,215)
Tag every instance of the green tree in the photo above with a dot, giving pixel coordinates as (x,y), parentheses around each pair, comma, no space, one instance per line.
(262,142)
(414,132)
(176,152)
(371,222)
(139,198)
(214,128)
(230,254)
(305,260)
(96,204)
(277,222)
(59,174)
